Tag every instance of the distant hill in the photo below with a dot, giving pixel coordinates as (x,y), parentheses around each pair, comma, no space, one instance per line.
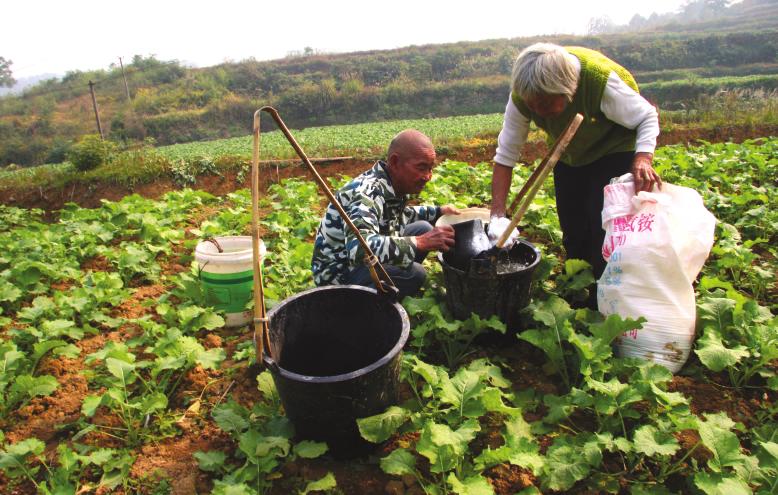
(26,82)
(675,63)
(700,15)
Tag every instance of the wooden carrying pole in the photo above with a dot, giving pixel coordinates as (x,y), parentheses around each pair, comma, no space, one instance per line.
(538,177)
(380,277)
(260,314)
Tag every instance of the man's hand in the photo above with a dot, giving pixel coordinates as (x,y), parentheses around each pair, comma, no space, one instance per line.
(438,239)
(449,210)
(644,174)
(497,226)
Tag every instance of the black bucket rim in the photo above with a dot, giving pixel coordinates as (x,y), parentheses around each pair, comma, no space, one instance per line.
(394,351)
(520,241)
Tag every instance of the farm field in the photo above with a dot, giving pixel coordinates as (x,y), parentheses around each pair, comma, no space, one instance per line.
(115,377)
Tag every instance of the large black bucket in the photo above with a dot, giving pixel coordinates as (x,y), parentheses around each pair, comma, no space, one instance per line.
(337,353)
(485,291)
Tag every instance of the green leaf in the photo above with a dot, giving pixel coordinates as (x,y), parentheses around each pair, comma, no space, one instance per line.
(724,444)
(559,408)
(443,446)
(548,342)
(525,453)
(153,403)
(310,450)
(399,462)
(90,405)
(223,488)
(8,292)
(380,427)
(463,392)
(326,483)
(267,386)
(231,417)
(57,328)
(272,445)
(649,490)
(614,326)
(26,447)
(650,441)
(100,457)
(554,312)
(492,372)
(211,359)
(473,485)
(716,313)
(492,402)
(517,427)
(715,355)
(427,371)
(719,484)
(121,369)
(33,386)
(565,465)
(211,461)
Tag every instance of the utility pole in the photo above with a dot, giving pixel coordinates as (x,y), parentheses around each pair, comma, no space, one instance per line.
(126,88)
(94,105)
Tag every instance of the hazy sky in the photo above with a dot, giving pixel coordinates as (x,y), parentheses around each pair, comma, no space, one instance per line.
(55,36)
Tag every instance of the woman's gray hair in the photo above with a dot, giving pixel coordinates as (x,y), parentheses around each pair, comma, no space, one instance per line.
(544,69)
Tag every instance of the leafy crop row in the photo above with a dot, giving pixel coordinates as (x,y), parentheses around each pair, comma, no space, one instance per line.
(554,404)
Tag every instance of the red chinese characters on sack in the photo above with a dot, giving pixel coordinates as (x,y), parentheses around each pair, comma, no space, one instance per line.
(628,223)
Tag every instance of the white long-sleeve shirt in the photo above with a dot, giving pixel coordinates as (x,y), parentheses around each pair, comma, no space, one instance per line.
(620,104)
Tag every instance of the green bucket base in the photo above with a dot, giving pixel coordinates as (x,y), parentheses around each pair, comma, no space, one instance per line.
(229,292)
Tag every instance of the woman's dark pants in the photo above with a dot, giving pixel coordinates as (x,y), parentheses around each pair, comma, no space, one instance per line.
(579,198)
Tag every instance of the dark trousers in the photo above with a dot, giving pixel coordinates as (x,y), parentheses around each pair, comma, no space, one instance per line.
(579,198)
(407,280)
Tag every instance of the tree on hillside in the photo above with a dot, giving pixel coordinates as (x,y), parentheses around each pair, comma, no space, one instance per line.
(701,10)
(6,77)
(600,25)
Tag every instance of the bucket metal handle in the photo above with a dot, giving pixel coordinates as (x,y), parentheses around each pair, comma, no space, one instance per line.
(383,282)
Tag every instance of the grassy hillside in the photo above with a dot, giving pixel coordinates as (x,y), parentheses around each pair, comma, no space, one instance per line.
(174,104)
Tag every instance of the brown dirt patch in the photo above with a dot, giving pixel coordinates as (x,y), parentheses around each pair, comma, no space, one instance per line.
(507,479)
(97,264)
(710,398)
(137,305)
(42,417)
(172,458)
(355,477)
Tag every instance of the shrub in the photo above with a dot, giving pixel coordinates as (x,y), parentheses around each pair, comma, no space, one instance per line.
(90,152)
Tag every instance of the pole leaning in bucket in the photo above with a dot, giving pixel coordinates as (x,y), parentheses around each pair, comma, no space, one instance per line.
(380,277)
(538,177)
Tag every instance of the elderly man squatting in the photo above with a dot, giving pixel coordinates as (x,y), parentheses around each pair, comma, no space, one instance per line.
(376,202)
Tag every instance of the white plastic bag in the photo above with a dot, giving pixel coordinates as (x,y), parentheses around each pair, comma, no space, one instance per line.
(655,245)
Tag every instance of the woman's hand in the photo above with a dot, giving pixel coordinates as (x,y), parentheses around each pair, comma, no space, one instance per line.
(644,174)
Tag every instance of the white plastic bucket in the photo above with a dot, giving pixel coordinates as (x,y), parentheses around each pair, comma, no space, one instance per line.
(227,277)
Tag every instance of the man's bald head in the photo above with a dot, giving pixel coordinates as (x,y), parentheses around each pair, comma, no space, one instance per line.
(410,159)
(408,142)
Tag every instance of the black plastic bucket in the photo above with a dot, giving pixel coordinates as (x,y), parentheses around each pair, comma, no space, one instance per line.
(485,291)
(337,352)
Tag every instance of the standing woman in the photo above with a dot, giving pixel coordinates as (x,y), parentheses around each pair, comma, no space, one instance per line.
(550,84)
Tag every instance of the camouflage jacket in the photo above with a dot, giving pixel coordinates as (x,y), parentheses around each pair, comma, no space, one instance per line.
(371,204)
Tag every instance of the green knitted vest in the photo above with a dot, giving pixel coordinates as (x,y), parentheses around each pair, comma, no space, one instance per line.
(597,136)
